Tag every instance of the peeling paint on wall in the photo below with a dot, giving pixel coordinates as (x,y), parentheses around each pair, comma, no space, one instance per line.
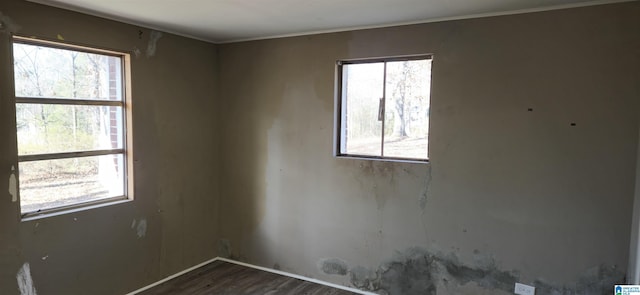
(140,227)
(13,186)
(25,282)
(333,266)
(153,41)
(7,25)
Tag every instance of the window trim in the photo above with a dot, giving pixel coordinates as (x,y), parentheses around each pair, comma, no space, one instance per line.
(339,115)
(127,127)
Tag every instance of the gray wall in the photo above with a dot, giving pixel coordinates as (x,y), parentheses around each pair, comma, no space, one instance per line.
(509,195)
(176,146)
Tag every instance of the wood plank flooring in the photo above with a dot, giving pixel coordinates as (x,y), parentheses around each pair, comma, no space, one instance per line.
(224,278)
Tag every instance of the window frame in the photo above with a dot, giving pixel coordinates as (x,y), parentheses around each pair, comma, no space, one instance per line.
(339,115)
(127,128)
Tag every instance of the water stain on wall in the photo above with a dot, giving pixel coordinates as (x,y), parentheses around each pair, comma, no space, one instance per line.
(417,271)
(334,266)
(425,193)
(596,280)
(224,248)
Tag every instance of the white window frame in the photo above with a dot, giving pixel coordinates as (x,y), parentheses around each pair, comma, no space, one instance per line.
(127,137)
(340,115)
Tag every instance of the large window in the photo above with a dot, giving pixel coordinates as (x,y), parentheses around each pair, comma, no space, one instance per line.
(383,108)
(72,118)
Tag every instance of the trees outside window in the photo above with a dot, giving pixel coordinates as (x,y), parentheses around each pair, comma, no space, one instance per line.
(383,108)
(72,110)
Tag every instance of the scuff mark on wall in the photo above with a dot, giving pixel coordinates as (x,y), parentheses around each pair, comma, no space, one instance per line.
(140,227)
(13,185)
(333,266)
(25,282)
(418,271)
(7,25)
(153,42)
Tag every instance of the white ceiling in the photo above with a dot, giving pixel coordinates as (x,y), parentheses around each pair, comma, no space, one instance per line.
(222,21)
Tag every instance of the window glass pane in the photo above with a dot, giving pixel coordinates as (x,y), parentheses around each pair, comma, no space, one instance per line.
(67,128)
(62,73)
(53,183)
(361,93)
(407,109)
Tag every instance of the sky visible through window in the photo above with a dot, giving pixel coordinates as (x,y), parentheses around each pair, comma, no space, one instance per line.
(405,85)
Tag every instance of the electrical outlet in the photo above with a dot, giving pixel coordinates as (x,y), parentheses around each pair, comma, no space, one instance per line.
(523,289)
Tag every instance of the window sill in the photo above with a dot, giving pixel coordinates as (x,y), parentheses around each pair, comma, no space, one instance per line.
(381,159)
(77,208)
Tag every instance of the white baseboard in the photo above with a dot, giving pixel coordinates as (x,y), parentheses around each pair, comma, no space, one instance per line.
(284,273)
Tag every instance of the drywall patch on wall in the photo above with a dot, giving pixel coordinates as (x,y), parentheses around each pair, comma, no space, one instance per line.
(153,42)
(25,282)
(137,52)
(7,25)
(140,227)
(333,266)
(13,185)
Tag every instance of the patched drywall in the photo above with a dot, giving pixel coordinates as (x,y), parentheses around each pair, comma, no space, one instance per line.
(153,43)
(175,164)
(521,108)
(140,227)
(7,25)
(25,282)
(13,185)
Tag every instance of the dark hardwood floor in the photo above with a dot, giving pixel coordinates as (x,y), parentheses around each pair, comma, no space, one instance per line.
(220,277)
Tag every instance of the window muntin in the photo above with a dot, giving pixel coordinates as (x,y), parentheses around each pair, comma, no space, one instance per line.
(383,108)
(72,111)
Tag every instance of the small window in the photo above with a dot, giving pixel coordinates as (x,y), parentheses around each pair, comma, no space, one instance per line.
(72,118)
(382,108)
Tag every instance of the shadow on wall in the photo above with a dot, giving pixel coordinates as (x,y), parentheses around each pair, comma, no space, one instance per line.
(418,271)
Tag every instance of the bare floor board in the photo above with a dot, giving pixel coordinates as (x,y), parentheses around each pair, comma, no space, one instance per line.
(224,278)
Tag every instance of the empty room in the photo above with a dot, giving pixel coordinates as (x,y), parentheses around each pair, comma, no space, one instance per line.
(319,147)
